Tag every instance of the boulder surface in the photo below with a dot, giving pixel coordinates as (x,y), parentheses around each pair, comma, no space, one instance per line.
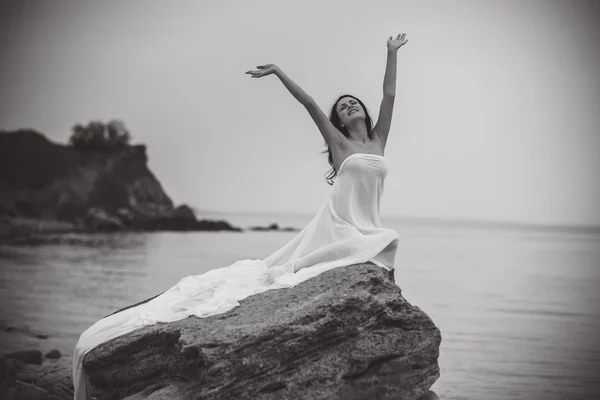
(345,334)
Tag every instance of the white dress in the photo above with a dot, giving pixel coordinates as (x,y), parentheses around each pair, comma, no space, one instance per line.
(346,230)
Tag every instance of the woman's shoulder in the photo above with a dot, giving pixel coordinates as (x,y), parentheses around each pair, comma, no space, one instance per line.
(350,147)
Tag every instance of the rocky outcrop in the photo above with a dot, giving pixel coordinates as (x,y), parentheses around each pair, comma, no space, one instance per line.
(25,227)
(20,380)
(345,334)
(27,373)
(27,356)
(90,190)
(98,219)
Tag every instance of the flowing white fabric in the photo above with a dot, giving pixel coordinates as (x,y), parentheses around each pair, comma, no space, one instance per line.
(346,230)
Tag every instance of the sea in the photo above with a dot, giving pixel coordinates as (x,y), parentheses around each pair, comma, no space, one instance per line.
(518,307)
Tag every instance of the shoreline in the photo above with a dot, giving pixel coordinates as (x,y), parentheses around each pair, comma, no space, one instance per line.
(18,230)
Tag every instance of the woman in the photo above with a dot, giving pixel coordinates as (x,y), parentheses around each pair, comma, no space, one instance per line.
(346,230)
(347,131)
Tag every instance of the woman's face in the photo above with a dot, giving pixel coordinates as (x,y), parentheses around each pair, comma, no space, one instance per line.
(349,109)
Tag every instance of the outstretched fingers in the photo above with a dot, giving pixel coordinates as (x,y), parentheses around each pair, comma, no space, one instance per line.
(263,70)
(254,74)
(257,74)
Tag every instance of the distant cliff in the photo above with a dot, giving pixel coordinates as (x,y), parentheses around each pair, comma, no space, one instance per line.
(85,188)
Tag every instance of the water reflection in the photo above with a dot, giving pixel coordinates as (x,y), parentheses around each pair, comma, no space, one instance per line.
(44,279)
(517,311)
(113,241)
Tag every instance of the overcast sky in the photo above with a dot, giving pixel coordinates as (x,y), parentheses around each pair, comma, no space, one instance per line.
(497,112)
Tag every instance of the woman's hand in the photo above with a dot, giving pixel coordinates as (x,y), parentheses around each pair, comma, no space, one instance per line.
(263,70)
(395,44)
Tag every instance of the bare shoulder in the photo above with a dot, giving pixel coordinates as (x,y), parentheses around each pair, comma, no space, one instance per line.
(346,147)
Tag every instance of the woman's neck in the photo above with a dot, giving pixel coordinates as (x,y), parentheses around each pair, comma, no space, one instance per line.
(358,132)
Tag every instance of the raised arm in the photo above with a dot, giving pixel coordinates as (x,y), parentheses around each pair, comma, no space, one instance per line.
(382,127)
(329,132)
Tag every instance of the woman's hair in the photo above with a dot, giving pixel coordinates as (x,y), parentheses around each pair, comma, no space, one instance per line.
(335,120)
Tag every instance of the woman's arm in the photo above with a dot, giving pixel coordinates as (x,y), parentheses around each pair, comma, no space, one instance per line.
(382,127)
(294,89)
(389,79)
(328,131)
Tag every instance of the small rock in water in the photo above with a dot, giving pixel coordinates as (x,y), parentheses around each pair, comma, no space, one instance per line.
(55,354)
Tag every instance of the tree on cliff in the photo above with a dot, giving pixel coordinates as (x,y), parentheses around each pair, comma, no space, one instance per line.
(100,136)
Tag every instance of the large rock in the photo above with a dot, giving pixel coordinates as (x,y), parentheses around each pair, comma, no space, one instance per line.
(345,334)
(184,212)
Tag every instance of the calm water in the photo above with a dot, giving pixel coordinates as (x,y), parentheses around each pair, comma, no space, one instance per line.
(518,310)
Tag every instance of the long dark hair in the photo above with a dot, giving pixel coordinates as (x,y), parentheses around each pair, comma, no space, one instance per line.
(334,118)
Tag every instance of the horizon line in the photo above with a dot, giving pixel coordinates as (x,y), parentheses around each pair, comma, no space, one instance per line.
(450,220)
